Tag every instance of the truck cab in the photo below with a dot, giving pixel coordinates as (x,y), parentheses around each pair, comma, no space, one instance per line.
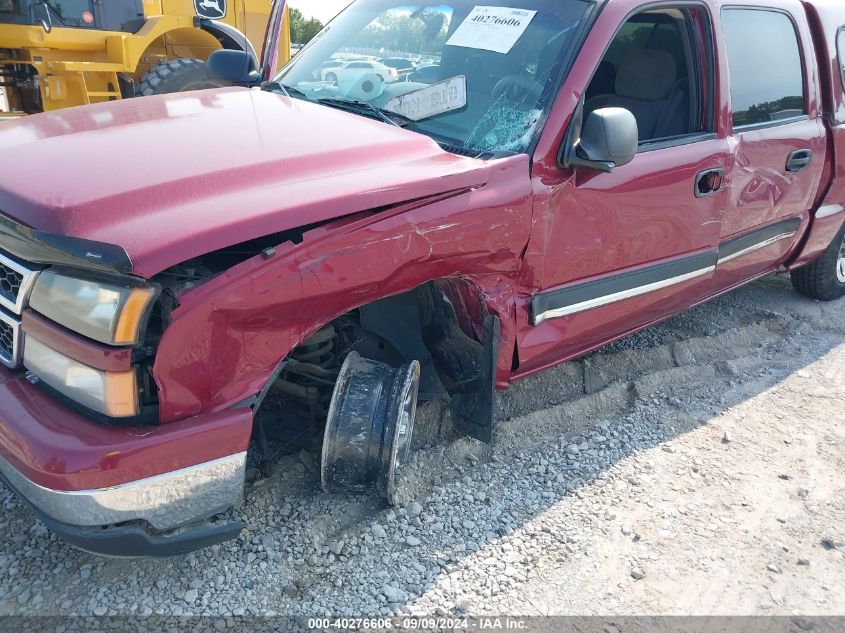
(324,252)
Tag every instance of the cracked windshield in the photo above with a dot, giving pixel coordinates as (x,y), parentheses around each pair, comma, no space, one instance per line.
(477,79)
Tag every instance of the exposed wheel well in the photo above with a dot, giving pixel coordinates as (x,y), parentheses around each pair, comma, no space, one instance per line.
(443,324)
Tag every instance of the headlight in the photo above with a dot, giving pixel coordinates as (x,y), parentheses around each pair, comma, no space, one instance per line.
(104,311)
(114,394)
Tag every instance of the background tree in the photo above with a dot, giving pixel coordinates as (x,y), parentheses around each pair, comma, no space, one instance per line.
(302,30)
(401,31)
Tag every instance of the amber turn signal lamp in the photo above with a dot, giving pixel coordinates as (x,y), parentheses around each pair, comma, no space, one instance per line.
(121,394)
(134,309)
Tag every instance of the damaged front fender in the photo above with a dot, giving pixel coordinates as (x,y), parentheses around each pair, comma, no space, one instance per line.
(228,335)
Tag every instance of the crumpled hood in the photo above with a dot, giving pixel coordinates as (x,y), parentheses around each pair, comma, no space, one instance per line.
(170,178)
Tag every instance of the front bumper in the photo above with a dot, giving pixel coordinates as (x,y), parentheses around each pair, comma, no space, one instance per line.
(122,491)
(134,540)
(165,501)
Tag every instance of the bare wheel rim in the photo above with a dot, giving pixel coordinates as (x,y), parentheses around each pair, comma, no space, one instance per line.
(840,263)
(407,413)
(404,429)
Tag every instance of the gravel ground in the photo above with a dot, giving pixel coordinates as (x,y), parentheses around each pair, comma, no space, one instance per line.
(694,468)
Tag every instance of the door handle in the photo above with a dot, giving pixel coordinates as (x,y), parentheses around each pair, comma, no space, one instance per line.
(798,160)
(709,182)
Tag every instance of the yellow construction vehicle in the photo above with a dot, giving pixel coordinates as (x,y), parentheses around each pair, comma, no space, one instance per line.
(60,53)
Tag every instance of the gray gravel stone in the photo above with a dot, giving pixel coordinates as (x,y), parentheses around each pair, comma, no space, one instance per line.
(378,531)
(393,594)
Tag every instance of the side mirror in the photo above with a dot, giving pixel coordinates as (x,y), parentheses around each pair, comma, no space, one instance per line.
(237,67)
(608,139)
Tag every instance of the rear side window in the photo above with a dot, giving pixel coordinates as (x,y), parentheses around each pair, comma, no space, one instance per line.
(764,59)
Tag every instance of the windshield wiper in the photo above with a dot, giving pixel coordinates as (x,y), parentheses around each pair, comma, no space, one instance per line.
(288,91)
(361,107)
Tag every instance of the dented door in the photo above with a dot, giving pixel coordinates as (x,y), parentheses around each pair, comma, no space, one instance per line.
(778,142)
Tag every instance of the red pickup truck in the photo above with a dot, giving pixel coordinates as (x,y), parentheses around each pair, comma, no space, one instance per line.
(546,177)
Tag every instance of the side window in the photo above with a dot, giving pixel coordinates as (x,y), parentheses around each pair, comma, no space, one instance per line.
(653,69)
(73,12)
(632,35)
(764,60)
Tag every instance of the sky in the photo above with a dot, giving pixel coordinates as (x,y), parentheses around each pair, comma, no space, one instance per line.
(323,10)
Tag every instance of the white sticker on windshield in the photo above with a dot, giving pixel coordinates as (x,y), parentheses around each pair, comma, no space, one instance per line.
(431,100)
(492,28)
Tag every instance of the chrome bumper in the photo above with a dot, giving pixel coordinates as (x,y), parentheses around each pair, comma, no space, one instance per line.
(165,501)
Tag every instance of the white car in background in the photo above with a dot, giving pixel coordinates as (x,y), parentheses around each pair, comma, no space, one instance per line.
(351,70)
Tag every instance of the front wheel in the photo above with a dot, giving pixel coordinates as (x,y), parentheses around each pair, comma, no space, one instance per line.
(369,426)
(176,75)
(824,279)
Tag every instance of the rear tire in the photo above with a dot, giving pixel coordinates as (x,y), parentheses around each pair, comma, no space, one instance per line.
(824,279)
(176,75)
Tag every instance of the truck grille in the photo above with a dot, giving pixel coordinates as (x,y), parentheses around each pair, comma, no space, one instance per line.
(9,339)
(16,280)
(10,283)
